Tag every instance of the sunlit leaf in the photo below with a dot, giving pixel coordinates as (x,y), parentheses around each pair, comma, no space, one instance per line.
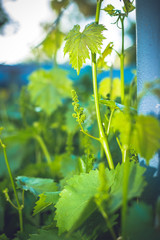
(105,87)
(110,9)
(36,185)
(79,43)
(48,88)
(113,89)
(116,88)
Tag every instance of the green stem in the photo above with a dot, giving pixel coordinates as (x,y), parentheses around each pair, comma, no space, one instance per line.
(109,122)
(122,62)
(109,226)
(98,11)
(44,149)
(14,188)
(103,138)
(89,135)
(125,192)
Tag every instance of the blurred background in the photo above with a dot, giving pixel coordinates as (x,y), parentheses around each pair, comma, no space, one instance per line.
(32,34)
(25,23)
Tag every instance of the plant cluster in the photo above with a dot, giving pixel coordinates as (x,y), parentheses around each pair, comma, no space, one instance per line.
(76,160)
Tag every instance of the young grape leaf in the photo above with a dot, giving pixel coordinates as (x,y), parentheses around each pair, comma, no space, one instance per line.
(128,6)
(45,200)
(101,60)
(48,88)
(136,185)
(36,185)
(140,223)
(76,201)
(146,136)
(79,43)
(110,9)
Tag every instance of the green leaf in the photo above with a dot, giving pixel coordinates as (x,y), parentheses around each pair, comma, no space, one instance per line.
(110,9)
(140,223)
(45,200)
(48,88)
(122,122)
(136,185)
(143,133)
(76,201)
(79,43)
(128,6)
(101,60)
(146,136)
(36,185)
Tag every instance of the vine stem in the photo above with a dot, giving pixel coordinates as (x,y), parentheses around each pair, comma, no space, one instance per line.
(122,61)
(109,225)
(103,138)
(44,149)
(19,207)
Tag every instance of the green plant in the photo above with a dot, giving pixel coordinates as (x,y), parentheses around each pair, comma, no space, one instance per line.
(81,191)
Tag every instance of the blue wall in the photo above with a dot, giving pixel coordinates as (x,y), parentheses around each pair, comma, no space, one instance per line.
(18,74)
